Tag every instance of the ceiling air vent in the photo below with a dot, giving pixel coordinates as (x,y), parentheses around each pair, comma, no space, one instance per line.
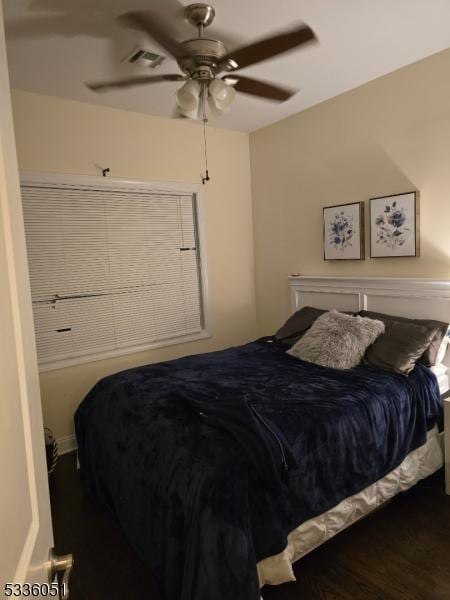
(144,58)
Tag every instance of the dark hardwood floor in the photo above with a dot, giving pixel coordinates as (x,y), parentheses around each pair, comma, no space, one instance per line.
(401,552)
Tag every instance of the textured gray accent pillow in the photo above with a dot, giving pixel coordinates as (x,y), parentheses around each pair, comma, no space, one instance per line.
(337,340)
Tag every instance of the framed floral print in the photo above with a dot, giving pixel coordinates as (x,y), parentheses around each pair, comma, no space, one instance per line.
(394,226)
(343,231)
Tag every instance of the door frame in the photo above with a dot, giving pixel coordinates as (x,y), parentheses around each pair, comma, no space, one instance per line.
(33,563)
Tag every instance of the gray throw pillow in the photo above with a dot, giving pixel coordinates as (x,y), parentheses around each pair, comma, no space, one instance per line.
(337,340)
(429,356)
(400,347)
(297,324)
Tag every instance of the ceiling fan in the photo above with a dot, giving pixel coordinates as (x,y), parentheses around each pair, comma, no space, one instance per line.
(202,60)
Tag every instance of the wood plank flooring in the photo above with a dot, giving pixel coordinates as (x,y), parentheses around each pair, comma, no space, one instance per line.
(401,552)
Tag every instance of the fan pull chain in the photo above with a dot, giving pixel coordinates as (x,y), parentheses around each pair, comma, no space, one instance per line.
(206,178)
(205,120)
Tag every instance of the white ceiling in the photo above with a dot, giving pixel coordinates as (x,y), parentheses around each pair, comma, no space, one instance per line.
(56,45)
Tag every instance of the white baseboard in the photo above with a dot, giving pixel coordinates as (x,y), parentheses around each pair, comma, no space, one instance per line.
(66,444)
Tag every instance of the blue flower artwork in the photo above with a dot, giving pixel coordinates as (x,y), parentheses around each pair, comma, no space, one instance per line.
(393,225)
(392,229)
(342,232)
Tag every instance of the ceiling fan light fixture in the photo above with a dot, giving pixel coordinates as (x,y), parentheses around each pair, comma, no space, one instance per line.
(213,111)
(187,98)
(221,95)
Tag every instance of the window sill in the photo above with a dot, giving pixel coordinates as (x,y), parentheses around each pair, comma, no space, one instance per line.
(80,360)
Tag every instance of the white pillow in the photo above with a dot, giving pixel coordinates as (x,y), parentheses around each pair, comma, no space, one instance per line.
(337,340)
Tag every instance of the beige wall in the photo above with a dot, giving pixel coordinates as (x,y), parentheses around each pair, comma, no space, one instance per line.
(71,137)
(391,135)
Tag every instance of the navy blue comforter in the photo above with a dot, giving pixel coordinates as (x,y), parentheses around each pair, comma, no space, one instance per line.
(188,496)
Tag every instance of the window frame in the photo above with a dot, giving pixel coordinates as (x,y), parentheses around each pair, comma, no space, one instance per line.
(55,179)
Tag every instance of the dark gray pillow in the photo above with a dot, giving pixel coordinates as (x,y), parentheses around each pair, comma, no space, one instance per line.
(298,324)
(337,340)
(430,353)
(400,347)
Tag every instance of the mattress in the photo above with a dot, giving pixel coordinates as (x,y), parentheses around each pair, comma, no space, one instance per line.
(419,464)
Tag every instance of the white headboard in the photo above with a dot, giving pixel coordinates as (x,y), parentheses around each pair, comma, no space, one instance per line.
(415,298)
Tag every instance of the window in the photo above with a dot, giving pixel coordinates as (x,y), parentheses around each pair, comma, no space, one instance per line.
(114,266)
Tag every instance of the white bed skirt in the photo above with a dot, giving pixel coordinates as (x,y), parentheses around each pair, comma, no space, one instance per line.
(312,533)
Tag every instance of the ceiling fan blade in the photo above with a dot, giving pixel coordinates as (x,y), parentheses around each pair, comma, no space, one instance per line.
(256,87)
(131,81)
(267,48)
(151,23)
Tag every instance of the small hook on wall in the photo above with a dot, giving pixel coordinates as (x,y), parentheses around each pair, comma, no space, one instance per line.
(103,170)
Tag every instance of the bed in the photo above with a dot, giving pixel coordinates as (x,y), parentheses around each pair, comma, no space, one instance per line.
(218,505)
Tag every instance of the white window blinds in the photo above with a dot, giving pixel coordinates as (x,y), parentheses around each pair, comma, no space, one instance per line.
(110,268)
